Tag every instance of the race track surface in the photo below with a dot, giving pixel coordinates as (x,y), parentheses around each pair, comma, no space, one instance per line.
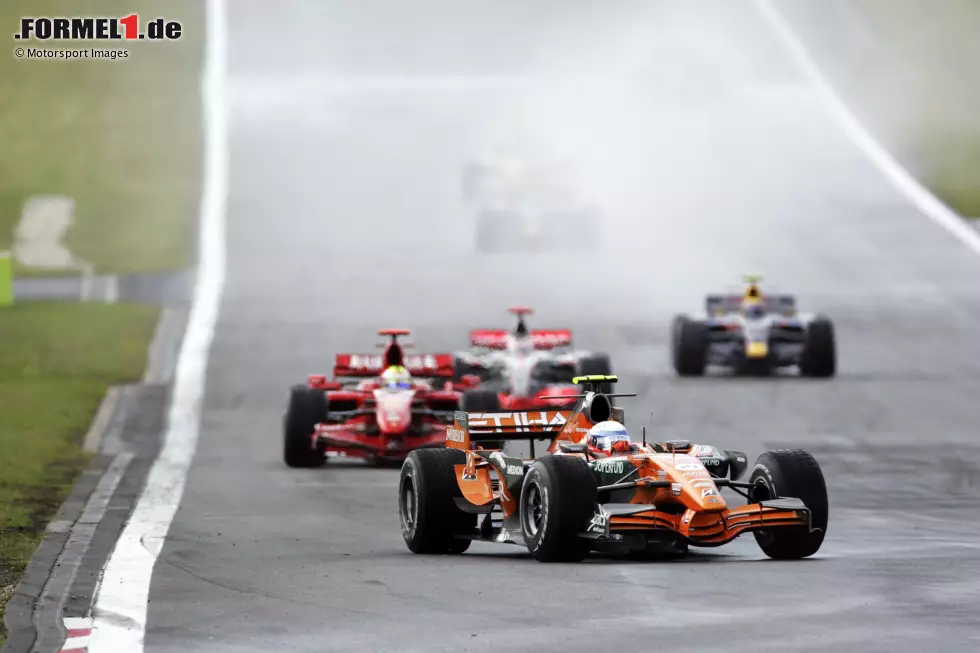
(710,156)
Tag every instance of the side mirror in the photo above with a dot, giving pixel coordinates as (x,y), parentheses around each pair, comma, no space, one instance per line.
(738,462)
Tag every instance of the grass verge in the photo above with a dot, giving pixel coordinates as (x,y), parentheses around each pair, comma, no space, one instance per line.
(120,137)
(56,363)
(908,68)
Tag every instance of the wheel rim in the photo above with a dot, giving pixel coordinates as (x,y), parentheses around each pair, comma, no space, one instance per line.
(408,506)
(535,510)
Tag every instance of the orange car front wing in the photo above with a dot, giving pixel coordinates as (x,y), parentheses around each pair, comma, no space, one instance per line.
(709,528)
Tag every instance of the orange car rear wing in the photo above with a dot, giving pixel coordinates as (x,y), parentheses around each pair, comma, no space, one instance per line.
(557,425)
(473,428)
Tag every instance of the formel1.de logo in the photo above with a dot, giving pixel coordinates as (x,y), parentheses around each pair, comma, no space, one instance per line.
(127,28)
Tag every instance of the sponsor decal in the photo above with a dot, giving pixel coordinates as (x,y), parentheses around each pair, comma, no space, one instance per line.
(740,459)
(488,339)
(704,450)
(709,492)
(551,339)
(675,489)
(522,422)
(701,473)
(661,473)
(703,484)
(372,362)
(609,466)
(688,466)
(455,435)
(517,470)
(710,462)
(599,523)
(714,499)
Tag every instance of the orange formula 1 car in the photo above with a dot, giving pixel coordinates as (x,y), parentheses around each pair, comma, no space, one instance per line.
(576,498)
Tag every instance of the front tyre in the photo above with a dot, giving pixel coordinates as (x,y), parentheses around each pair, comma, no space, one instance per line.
(427,488)
(791,473)
(819,357)
(307,408)
(689,346)
(557,501)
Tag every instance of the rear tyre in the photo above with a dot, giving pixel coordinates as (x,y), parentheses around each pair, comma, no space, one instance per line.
(597,364)
(482,401)
(307,408)
(791,473)
(689,346)
(819,358)
(557,501)
(461,368)
(430,519)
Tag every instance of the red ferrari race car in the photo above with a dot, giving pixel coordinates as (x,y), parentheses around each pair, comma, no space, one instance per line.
(520,369)
(377,407)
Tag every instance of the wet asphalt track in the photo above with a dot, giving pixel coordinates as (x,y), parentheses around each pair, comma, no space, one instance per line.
(344,217)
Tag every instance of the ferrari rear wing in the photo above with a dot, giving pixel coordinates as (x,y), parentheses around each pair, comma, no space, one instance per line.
(470,428)
(368,365)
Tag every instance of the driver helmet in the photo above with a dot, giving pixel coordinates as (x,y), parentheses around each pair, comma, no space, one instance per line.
(396,377)
(609,437)
(753,309)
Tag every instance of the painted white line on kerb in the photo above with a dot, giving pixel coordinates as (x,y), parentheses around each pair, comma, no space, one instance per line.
(119,613)
(916,193)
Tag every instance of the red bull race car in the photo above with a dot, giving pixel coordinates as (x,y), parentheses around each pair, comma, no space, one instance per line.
(377,407)
(754,334)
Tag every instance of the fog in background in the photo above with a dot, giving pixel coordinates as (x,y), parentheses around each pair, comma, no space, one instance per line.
(684,122)
(909,69)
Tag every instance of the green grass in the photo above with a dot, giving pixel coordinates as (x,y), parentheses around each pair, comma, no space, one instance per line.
(120,137)
(909,68)
(936,48)
(56,363)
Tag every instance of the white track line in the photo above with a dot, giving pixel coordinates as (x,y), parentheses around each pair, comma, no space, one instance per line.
(119,613)
(906,184)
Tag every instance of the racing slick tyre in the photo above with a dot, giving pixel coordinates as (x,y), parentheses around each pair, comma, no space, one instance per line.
(307,408)
(819,358)
(427,489)
(791,473)
(596,364)
(557,501)
(482,401)
(689,346)
(461,368)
